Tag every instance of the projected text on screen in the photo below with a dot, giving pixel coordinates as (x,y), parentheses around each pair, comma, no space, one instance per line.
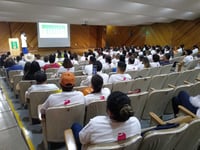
(53,30)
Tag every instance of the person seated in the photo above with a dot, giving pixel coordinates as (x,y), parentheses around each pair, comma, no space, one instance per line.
(165,59)
(39,60)
(52,63)
(98,93)
(32,70)
(120,123)
(145,64)
(11,65)
(192,103)
(120,75)
(66,66)
(41,84)
(67,96)
(98,68)
(89,68)
(156,61)
(186,60)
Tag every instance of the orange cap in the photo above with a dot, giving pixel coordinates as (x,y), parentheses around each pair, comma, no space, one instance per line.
(67,78)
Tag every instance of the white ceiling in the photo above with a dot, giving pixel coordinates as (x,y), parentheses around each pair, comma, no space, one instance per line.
(99,12)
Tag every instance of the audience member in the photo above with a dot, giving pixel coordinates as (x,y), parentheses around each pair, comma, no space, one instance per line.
(67,96)
(98,66)
(89,68)
(99,93)
(120,75)
(41,85)
(33,69)
(52,63)
(66,66)
(165,60)
(192,103)
(120,123)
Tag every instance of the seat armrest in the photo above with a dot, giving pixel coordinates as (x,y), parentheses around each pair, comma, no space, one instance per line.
(156,119)
(69,140)
(186,111)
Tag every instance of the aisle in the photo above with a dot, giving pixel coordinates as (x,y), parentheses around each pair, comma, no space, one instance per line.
(32,133)
(10,134)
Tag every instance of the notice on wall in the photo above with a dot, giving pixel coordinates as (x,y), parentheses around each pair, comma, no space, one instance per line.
(14,46)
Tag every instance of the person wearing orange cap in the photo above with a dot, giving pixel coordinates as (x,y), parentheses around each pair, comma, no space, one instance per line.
(67,97)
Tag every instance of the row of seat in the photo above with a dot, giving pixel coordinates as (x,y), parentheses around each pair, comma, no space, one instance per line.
(176,134)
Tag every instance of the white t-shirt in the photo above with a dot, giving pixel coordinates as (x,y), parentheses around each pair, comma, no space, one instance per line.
(155,64)
(103,129)
(41,62)
(39,88)
(61,99)
(87,81)
(119,77)
(187,59)
(63,69)
(88,69)
(103,95)
(195,101)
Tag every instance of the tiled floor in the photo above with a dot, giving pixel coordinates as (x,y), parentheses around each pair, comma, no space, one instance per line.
(10,134)
(34,132)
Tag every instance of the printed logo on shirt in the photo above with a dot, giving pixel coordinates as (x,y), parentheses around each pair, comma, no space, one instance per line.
(102,97)
(121,136)
(124,78)
(66,102)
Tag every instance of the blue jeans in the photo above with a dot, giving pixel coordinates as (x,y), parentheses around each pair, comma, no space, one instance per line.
(183,99)
(76,128)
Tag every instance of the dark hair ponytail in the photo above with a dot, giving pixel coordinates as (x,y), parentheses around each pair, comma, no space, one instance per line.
(118,104)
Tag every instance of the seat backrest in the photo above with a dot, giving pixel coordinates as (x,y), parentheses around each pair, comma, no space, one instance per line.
(11,73)
(55,81)
(164,139)
(195,89)
(58,119)
(158,81)
(166,69)
(95,108)
(138,102)
(108,85)
(16,80)
(171,79)
(79,79)
(141,83)
(124,86)
(183,76)
(78,73)
(132,73)
(143,73)
(154,71)
(35,99)
(190,140)
(192,64)
(51,70)
(24,85)
(157,101)
(131,143)
(194,75)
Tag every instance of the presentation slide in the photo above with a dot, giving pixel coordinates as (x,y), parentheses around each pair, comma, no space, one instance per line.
(53,34)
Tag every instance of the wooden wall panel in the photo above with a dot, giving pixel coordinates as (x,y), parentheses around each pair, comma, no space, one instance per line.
(159,34)
(186,32)
(85,37)
(119,36)
(4,35)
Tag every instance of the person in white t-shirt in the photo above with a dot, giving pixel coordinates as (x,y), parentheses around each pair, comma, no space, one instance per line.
(186,60)
(67,96)
(192,103)
(67,66)
(156,61)
(24,43)
(98,66)
(119,125)
(89,68)
(41,84)
(120,75)
(99,93)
